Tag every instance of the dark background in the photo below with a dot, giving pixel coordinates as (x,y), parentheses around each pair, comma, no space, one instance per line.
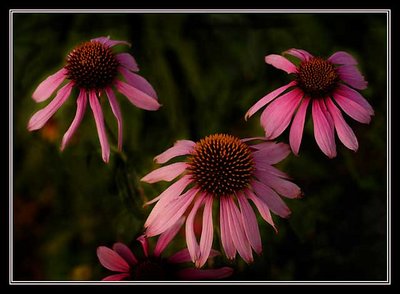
(208,70)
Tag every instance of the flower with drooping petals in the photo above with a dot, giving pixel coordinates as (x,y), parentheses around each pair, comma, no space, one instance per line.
(328,85)
(224,170)
(93,68)
(128,266)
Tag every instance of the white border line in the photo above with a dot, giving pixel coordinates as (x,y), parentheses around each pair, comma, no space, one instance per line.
(224,11)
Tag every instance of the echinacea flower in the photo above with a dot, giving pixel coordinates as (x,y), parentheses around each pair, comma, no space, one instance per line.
(223,170)
(328,85)
(128,266)
(92,68)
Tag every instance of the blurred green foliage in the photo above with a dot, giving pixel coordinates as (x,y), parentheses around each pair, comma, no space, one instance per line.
(207,69)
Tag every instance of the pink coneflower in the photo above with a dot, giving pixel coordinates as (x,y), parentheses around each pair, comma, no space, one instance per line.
(225,170)
(92,67)
(152,266)
(326,84)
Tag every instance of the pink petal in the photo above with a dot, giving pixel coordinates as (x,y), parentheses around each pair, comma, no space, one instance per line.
(101,129)
(49,85)
(342,57)
(138,82)
(323,128)
(303,55)
(166,237)
(281,186)
(145,244)
(273,201)
(276,117)
(109,43)
(116,277)
(245,140)
(125,253)
(250,223)
(281,62)
(81,103)
(266,99)
(352,76)
(271,170)
(165,173)
(40,118)
(170,193)
(345,133)
(117,113)
(199,274)
(137,97)
(127,60)
(181,147)
(207,232)
(355,105)
(296,130)
(191,240)
(237,231)
(226,238)
(170,213)
(112,260)
(181,256)
(271,152)
(262,208)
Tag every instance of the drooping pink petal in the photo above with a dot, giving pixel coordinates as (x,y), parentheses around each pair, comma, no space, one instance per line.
(355,105)
(191,240)
(165,197)
(145,244)
(323,128)
(226,238)
(127,60)
(181,147)
(202,274)
(183,256)
(81,103)
(266,99)
(171,213)
(165,173)
(281,186)
(112,260)
(49,85)
(40,118)
(250,223)
(273,201)
(296,130)
(276,117)
(166,237)
(281,62)
(101,129)
(345,133)
(271,152)
(116,277)
(138,82)
(117,113)
(271,170)
(108,42)
(125,253)
(137,97)
(342,57)
(352,76)
(303,55)
(237,231)
(262,208)
(207,232)
(245,140)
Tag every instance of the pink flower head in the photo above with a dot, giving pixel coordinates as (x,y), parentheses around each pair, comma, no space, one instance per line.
(92,67)
(328,84)
(120,259)
(225,170)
